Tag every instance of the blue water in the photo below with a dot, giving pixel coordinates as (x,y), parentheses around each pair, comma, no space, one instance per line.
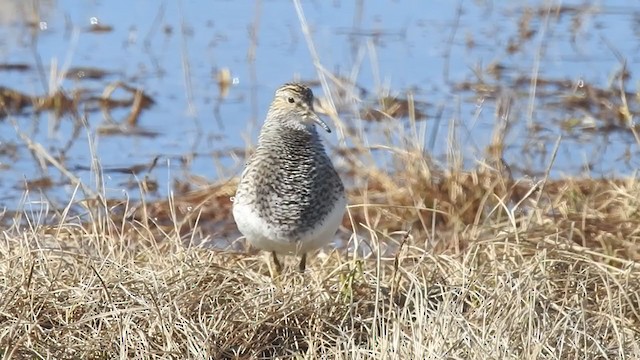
(174,49)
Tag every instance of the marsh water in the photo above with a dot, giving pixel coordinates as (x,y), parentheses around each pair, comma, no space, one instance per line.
(555,72)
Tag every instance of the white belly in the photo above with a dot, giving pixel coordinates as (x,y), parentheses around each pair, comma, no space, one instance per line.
(264,236)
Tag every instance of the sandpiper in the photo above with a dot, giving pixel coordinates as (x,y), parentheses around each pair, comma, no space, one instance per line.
(290,199)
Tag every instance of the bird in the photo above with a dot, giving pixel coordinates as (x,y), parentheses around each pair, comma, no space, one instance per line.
(290,199)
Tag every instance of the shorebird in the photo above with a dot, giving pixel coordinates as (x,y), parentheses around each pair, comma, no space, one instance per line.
(290,199)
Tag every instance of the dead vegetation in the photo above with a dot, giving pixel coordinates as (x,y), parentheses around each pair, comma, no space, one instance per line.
(435,260)
(438,263)
(59,103)
(111,291)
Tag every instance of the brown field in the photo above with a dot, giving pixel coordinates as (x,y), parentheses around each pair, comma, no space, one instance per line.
(465,264)
(434,260)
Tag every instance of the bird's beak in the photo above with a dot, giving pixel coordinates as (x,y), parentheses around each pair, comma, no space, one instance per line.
(311,115)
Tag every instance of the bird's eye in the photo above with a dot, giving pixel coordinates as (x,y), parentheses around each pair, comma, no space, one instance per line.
(291,100)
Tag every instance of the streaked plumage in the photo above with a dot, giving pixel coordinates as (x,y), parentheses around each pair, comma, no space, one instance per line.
(290,199)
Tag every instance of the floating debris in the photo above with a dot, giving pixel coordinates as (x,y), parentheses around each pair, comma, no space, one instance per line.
(86,73)
(147,184)
(15,67)
(9,149)
(97,27)
(138,102)
(224,80)
(123,129)
(585,107)
(42,183)
(393,108)
(12,101)
(133,169)
(59,103)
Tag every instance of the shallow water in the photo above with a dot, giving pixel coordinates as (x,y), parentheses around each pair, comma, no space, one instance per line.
(436,50)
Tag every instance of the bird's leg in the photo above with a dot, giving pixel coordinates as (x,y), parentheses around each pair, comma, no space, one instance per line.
(277,263)
(303,263)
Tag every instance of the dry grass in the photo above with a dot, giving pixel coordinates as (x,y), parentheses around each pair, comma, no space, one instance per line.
(100,296)
(558,280)
(438,262)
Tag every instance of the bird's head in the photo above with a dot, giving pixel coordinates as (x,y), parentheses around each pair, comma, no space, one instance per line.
(293,106)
